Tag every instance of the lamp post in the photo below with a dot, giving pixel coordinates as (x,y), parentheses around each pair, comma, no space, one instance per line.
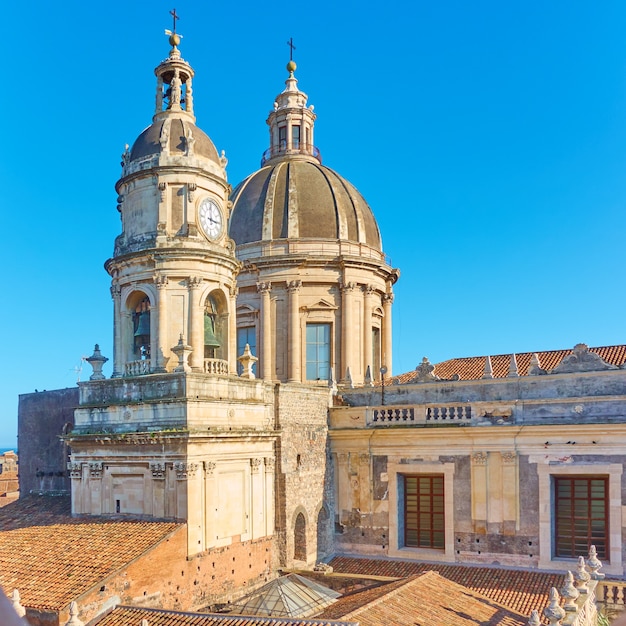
(383,371)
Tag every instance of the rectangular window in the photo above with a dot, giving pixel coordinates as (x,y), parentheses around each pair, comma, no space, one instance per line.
(317,351)
(295,136)
(282,137)
(581,515)
(424,511)
(246,335)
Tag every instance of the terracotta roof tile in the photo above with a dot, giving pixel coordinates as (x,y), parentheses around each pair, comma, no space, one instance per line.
(52,558)
(129,616)
(519,590)
(473,368)
(426,599)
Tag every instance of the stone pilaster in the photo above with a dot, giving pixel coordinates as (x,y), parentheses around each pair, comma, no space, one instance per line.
(368,297)
(232,328)
(294,338)
(387,356)
(118,360)
(267,360)
(347,327)
(196,323)
(162,335)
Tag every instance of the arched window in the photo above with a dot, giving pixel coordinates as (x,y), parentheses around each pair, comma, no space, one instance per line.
(211,341)
(299,536)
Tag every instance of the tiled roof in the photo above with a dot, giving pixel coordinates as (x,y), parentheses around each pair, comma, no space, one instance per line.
(425,600)
(129,616)
(473,368)
(52,558)
(519,590)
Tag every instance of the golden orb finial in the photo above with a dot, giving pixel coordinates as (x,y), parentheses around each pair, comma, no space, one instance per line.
(174,40)
(291,66)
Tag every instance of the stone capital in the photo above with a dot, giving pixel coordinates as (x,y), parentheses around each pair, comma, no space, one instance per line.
(479,458)
(160,280)
(95,469)
(158,469)
(255,465)
(294,286)
(185,470)
(264,287)
(75,469)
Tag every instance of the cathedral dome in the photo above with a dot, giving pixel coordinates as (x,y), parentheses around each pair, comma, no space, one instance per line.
(300,198)
(173,134)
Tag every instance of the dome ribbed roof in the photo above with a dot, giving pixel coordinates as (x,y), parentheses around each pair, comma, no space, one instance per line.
(300,199)
(149,142)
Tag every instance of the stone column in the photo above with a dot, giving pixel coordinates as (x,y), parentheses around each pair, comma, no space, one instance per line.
(368,357)
(196,324)
(294,339)
(267,369)
(118,352)
(386,356)
(163,346)
(347,328)
(232,330)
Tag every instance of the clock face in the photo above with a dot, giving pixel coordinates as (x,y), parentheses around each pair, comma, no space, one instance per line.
(210,216)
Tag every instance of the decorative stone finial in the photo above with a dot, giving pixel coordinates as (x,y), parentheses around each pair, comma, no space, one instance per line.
(96,360)
(534,620)
(17,607)
(182,351)
(349,378)
(594,564)
(513,369)
(425,372)
(247,360)
(582,360)
(332,381)
(488,368)
(553,611)
(569,593)
(535,369)
(368,377)
(582,576)
(74,621)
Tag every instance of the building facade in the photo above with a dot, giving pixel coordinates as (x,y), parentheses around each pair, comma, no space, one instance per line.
(252,393)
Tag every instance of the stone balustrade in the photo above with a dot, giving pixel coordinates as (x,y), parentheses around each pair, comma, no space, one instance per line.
(215,366)
(141,367)
(419,415)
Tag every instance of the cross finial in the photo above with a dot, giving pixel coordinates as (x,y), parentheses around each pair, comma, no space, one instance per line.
(291,48)
(174,18)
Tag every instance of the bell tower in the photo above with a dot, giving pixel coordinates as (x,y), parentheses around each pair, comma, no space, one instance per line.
(173,268)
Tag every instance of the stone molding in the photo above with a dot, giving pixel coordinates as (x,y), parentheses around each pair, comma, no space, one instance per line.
(582,360)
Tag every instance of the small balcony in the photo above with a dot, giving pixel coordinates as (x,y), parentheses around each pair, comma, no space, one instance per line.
(294,149)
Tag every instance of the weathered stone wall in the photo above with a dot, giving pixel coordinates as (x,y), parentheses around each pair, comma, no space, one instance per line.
(42,418)
(303,471)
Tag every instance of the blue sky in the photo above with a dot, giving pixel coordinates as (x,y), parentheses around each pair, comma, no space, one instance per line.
(488,137)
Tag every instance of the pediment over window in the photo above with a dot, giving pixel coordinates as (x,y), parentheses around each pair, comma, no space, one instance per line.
(322,305)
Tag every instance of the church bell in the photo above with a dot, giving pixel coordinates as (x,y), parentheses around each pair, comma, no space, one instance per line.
(210,340)
(143,326)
